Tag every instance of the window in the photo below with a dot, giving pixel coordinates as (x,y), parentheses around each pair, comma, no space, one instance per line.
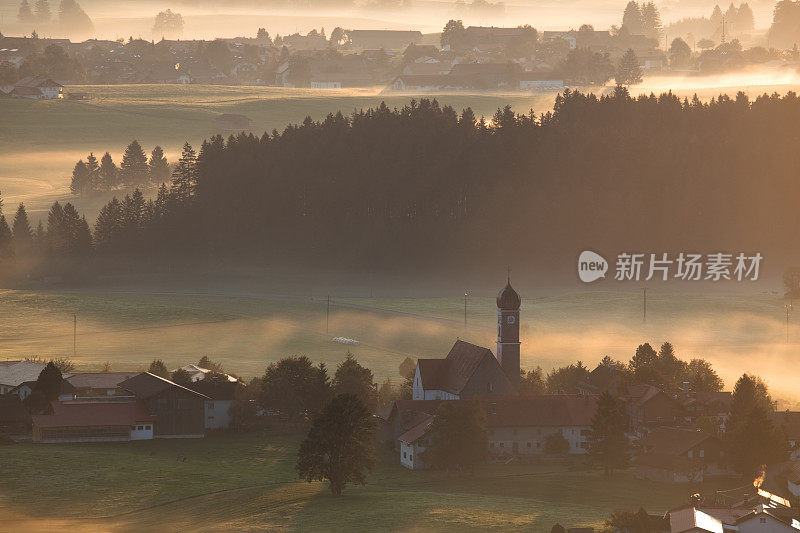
(502,444)
(538,444)
(490,387)
(529,445)
(210,405)
(491,445)
(411,458)
(763,520)
(141,428)
(147,428)
(404,455)
(691,454)
(702,453)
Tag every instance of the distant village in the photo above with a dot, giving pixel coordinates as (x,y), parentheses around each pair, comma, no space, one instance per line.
(472,58)
(674,435)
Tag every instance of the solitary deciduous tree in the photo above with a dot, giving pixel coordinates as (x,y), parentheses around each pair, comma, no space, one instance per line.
(339,447)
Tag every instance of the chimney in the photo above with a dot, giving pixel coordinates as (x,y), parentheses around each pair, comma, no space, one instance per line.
(685,386)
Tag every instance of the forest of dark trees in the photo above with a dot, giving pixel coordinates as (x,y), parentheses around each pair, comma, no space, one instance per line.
(426,187)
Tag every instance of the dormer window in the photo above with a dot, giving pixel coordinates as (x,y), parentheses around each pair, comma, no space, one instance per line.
(490,387)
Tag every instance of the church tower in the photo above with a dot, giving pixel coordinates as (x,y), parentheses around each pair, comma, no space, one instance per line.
(508,302)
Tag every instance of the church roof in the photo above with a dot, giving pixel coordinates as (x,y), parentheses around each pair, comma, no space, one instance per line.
(508,299)
(452,373)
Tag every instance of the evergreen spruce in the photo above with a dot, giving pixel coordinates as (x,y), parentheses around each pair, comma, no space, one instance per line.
(158,167)
(80,179)
(108,174)
(93,173)
(184,177)
(133,169)
(25,13)
(628,71)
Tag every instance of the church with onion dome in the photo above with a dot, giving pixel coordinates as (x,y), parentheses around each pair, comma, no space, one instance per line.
(471,371)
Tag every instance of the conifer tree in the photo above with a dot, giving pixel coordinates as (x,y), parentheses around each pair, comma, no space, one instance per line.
(133,169)
(628,71)
(108,174)
(43,12)
(184,177)
(6,239)
(158,167)
(608,445)
(92,173)
(651,21)
(21,230)
(108,225)
(80,178)
(25,13)
(632,19)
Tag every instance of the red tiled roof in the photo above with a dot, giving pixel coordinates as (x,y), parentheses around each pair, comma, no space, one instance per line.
(673,441)
(99,380)
(77,413)
(417,431)
(147,385)
(555,410)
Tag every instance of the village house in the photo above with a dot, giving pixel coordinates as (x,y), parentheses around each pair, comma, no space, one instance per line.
(139,407)
(179,411)
(679,455)
(386,39)
(789,421)
(15,373)
(99,384)
(94,420)
(540,81)
(650,406)
(516,426)
(220,396)
(761,512)
(22,391)
(38,88)
(14,417)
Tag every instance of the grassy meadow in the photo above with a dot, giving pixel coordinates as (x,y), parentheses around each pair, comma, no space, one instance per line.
(249,325)
(247,482)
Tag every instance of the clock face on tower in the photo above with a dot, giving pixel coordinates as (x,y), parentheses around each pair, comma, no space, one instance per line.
(510,319)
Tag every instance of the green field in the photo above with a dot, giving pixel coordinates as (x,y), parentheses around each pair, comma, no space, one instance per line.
(141,485)
(246,326)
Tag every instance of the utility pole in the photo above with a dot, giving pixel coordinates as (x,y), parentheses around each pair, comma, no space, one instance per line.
(328,315)
(75,335)
(644,305)
(465,309)
(788,308)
